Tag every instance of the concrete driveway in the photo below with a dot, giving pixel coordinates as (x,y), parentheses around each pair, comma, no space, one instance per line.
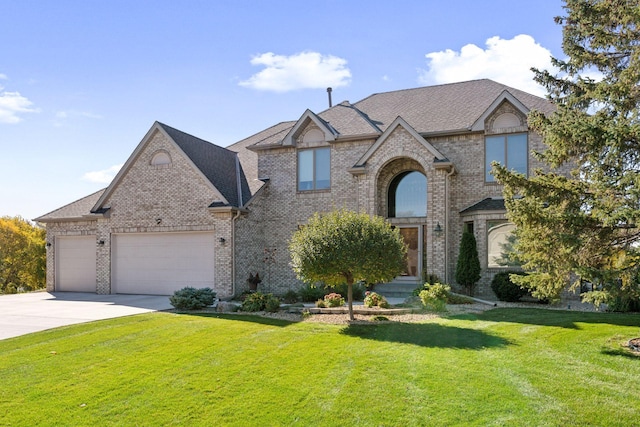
(22,314)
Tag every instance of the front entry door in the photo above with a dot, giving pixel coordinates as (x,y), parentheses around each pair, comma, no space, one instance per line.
(412,236)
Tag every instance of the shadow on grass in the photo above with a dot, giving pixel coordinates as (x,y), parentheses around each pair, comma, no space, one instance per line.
(263,320)
(558,318)
(427,335)
(624,352)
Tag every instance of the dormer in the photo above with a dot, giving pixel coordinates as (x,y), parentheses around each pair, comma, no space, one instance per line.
(310,129)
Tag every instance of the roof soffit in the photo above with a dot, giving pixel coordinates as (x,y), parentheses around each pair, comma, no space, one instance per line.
(330,134)
(478,125)
(399,122)
(157,127)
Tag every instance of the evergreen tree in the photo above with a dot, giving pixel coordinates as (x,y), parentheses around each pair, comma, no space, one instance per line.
(585,224)
(468,265)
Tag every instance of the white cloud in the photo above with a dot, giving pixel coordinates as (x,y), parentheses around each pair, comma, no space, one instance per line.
(102,177)
(62,116)
(505,61)
(305,70)
(12,104)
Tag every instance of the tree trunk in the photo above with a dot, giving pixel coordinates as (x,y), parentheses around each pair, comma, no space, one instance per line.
(350,297)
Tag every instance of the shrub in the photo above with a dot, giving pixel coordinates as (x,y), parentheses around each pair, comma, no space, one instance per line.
(290,297)
(192,299)
(358,290)
(334,300)
(468,265)
(380,319)
(505,289)
(258,301)
(311,293)
(434,297)
(373,299)
(272,304)
(458,299)
(321,303)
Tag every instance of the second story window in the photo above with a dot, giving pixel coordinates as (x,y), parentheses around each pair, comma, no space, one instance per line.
(509,150)
(314,169)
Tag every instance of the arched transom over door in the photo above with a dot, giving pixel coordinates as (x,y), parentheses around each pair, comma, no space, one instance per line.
(407,196)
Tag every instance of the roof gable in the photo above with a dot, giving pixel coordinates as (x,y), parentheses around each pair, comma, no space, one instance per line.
(478,125)
(329,132)
(399,122)
(218,167)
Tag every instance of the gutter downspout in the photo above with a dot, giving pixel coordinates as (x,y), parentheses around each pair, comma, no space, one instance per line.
(233,254)
(233,229)
(446,222)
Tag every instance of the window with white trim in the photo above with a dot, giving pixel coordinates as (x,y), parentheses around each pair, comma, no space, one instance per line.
(498,242)
(314,169)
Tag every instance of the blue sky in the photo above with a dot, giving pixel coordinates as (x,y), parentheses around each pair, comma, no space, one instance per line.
(81,82)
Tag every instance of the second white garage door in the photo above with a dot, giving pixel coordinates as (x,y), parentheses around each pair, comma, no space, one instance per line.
(161,263)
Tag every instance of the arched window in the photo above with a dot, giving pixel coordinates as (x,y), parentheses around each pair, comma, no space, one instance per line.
(408,195)
(498,234)
(160,158)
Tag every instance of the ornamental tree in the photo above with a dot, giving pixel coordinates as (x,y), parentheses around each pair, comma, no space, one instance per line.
(468,265)
(22,255)
(585,224)
(346,247)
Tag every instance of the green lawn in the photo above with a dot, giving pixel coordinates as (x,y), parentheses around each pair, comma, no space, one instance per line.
(512,367)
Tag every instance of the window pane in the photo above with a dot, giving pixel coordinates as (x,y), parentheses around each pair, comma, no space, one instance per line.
(517,153)
(497,236)
(305,170)
(411,195)
(493,151)
(323,168)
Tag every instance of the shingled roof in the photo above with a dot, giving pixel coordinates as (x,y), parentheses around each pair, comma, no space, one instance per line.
(488,204)
(453,107)
(220,165)
(77,210)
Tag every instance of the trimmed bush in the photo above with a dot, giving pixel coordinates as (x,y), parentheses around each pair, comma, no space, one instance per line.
(505,289)
(373,299)
(468,265)
(192,299)
(290,297)
(272,304)
(458,299)
(258,301)
(334,300)
(311,293)
(358,290)
(434,297)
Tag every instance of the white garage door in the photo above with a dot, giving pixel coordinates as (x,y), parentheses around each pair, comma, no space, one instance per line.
(161,263)
(75,263)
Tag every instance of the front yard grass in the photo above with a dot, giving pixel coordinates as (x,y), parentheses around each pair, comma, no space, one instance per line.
(503,367)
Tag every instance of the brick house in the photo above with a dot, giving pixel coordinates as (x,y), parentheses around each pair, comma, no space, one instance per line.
(185,212)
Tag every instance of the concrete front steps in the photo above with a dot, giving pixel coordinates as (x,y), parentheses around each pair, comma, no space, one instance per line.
(396,289)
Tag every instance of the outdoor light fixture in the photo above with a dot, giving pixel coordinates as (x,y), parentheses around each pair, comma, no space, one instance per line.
(438,230)
(101,242)
(222,240)
(48,244)
(158,221)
